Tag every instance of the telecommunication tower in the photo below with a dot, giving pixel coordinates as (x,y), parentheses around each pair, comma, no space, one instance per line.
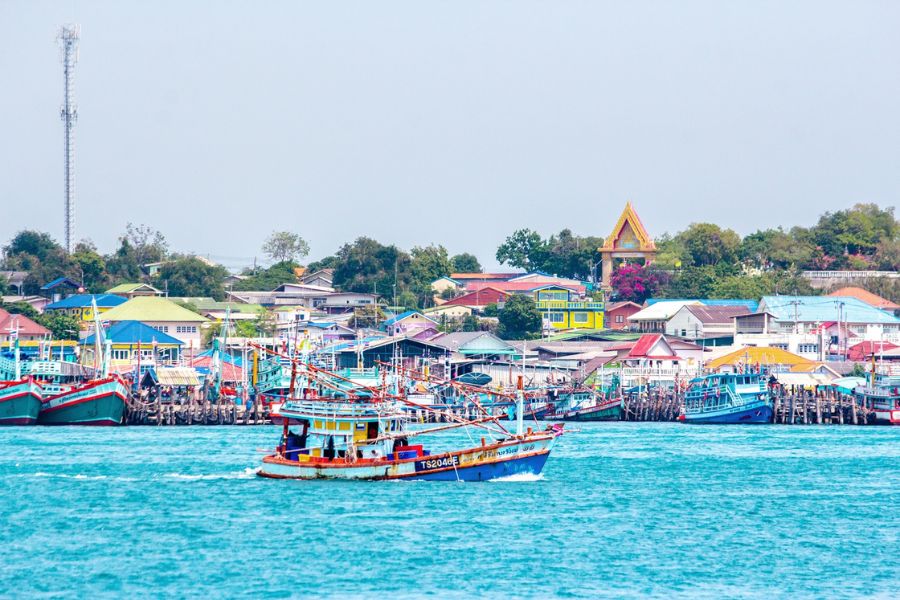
(68,38)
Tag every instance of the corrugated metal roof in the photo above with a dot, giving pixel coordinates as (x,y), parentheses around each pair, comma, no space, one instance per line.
(177,376)
(84,301)
(716,314)
(152,309)
(133,332)
(820,309)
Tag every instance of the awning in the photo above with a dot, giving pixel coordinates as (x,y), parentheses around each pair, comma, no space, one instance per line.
(803,379)
(177,376)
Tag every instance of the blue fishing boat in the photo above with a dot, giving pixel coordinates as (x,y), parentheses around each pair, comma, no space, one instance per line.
(727,398)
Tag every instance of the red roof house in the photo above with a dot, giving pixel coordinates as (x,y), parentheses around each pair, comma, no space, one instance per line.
(28,330)
(481,297)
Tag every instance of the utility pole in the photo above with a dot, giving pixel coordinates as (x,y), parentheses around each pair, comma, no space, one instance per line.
(68,38)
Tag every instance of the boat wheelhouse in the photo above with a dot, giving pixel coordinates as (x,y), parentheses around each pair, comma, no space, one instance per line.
(728,398)
(882,398)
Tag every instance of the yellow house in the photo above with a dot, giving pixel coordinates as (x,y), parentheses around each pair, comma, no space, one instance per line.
(561,309)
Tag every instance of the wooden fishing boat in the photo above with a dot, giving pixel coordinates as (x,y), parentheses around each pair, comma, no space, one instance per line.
(347,440)
(580,406)
(727,398)
(20,402)
(97,402)
(20,398)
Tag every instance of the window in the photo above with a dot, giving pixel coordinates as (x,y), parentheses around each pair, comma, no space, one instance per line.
(120,355)
(163,328)
(580,317)
(556,317)
(185,329)
(684,333)
(620,318)
(780,346)
(808,348)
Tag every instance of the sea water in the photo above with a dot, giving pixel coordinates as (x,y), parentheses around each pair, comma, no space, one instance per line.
(621,510)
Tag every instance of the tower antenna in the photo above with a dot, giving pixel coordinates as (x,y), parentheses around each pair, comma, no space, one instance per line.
(68,38)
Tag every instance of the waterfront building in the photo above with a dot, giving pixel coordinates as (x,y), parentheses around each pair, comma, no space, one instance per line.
(132,341)
(709,325)
(132,290)
(412,323)
(564,308)
(867,297)
(653,318)
(15,279)
(163,315)
(36,302)
(448,311)
(617,313)
(59,288)
(479,298)
(81,306)
(12,325)
(815,327)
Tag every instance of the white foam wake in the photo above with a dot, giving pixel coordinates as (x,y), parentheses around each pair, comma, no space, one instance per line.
(520,477)
(247,473)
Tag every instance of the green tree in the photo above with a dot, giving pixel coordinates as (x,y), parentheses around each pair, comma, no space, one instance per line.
(779,249)
(708,244)
(149,245)
(189,276)
(854,231)
(61,326)
(329,262)
(519,319)
(465,263)
(427,264)
(568,255)
(123,265)
(370,267)
(268,279)
(523,249)
(693,282)
(91,266)
(36,244)
(284,246)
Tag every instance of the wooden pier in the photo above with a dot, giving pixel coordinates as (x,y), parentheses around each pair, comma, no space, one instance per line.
(791,407)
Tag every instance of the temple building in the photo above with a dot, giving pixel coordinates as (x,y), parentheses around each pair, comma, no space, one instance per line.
(628,240)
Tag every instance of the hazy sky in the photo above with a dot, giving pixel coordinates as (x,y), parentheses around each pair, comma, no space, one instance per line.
(452,122)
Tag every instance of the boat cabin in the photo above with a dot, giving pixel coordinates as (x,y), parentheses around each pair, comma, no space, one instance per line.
(340,430)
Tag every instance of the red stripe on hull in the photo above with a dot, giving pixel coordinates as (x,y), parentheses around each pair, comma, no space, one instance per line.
(18,421)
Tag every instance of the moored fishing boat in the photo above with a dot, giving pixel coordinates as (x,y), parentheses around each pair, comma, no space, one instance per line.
(727,398)
(20,399)
(71,398)
(882,397)
(97,402)
(585,405)
(20,402)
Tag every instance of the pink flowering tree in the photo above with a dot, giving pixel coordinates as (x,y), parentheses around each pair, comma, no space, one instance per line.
(634,282)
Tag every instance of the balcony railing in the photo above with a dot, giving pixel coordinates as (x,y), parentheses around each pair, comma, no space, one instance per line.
(566,305)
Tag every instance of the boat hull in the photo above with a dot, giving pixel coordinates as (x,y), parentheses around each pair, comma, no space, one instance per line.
(512,457)
(755,413)
(886,417)
(20,402)
(610,411)
(97,403)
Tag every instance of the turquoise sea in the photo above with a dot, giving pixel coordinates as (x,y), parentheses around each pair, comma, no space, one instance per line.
(621,510)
